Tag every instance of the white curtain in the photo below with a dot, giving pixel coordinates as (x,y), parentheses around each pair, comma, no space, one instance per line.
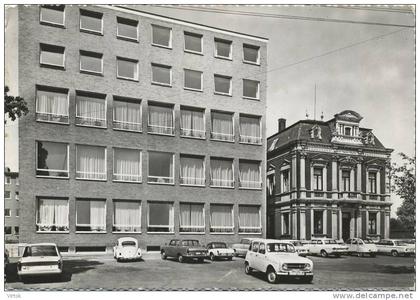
(90,108)
(53,212)
(161,119)
(191,217)
(192,171)
(46,213)
(249,218)
(127,216)
(222,126)
(192,123)
(250,131)
(221,218)
(91,162)
(52,103)
(127,165)
(249,175)
(221,172)
(128,113)
(97,215)
(61,213)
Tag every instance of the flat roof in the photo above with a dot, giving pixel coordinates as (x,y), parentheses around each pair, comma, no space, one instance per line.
(183,22)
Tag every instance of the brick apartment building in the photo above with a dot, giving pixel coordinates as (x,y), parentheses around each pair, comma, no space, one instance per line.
(11,206)
(327,179)
(140,125)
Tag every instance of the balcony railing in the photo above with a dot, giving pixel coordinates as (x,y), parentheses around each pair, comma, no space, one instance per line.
(192,181)
(127,177)
(52,173)
(94,122)
(248,139)
(216,182)
(195,133)
(160,179)
(90,175)
(349,195)
(91,227)
(50,117)
(129,126)
(250,184)
(191,228)
(158,129)
(221,229)
(52,227)
(219,136)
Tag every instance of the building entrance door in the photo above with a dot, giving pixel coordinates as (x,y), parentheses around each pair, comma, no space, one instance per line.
(345,221)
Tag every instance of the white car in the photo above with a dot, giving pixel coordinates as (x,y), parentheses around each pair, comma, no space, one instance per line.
(277,259)
(361,247)
(395,247)
(326,247)
(241,248)
(301,248)
(127,248)
(40,259)
(217,250)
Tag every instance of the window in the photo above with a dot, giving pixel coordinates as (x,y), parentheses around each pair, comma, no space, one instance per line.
(7,212)
(7,194)
(127,29)
(193,80)
(52,56)
(318,180)
(90,162)
(161,75)
(221,172)
(193,42)
(318,222)
(191,217)
(127,216)
(161,36)
(91,21)
(222,85)
(52,159)
(250,130)
(161,167)
(7,230)
(345,176)
(192,123)
(127,165)
(7,180)
(221,218)
(251,54)
(222,126)
(285,187)
(347,131)
(17,212)
(127,114)
(127,69)
(251,89)
(16,230)
(52,105)
(286,224)
(372,222)
(52,214)
(161,119)
(160,217)
(52,15)
(223,48)
(91,215)
(192,170)
(271,183)
(249,174)
(372,183)
(91,62)
(249,219)
(90,109)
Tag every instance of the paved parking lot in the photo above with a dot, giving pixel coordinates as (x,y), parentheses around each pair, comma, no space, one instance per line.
(89,272)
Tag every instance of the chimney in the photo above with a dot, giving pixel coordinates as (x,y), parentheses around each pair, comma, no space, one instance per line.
(282,124)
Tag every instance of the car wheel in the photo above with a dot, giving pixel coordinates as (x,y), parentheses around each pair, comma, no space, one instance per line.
(394,253)
(163,255)
(271,275)
(118,259)
(324,253)
(212,258)
(180,258)
(308,279)
(248,269)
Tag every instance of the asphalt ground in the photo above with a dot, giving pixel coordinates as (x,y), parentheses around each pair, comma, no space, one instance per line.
(152,273)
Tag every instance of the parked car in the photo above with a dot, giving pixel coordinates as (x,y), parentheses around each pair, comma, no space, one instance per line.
(40,259)
(361,247)
(302,249)
(127,248)
(395,247)
(184,250)
(326,247)
(219,250)
(241,248)
(277,259)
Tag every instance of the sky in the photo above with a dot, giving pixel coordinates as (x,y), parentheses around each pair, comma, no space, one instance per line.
(362,67)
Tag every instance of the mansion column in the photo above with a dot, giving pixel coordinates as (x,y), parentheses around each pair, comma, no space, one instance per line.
(334,178)
(294,173)
(334,212)
(359,179)
(302,174)
(387,221)
(302,223)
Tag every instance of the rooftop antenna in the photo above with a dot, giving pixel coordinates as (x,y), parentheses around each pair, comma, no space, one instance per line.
(307,115)
(315,103)
(322,116)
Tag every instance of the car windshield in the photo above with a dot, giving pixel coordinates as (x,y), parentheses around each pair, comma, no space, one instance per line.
(330,242)
(190,243)
(219,245)
(280,247)
(128,243)
(40,251)
(400,243)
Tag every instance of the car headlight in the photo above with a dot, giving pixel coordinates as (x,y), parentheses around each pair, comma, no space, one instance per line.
(406,249)
(284,267)
(307,267)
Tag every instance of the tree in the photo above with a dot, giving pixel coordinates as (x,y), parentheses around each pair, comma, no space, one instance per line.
(14,107)
(404,185)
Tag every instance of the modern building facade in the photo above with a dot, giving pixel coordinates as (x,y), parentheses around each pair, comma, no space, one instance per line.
(11,206)
(140,125)
(327,179)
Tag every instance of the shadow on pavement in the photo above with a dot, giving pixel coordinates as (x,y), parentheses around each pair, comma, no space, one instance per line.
(189,261)
(395,269)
